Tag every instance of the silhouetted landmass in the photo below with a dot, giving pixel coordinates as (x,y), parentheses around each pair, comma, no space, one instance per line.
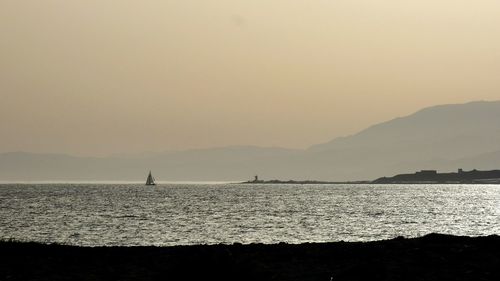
(432,257)
(441,138)
(302,182)
(421,177)
(432,176)
(256,180)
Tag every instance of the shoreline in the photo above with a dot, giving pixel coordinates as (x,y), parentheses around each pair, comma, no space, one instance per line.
(307,182)
(430,257)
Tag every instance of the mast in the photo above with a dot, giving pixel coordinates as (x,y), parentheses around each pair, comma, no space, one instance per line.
(150,180)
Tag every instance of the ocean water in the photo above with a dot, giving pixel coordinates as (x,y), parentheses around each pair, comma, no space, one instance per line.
(182,214)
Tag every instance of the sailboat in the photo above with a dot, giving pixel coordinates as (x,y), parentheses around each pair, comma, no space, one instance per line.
(150,180)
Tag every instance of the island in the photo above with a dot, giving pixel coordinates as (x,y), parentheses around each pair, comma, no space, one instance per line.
(433,177)
(420,177)
(256,180)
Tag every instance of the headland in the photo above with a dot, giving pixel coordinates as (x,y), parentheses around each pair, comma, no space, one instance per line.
(420,177)
(433,177)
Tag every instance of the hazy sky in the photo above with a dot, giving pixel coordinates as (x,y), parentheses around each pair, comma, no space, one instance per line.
(93,77)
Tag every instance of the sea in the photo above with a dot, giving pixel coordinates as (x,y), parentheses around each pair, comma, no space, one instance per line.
(201,213)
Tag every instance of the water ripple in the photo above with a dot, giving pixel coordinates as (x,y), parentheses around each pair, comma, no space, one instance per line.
(206,214)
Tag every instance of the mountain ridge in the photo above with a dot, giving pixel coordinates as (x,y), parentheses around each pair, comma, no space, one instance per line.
(442,137)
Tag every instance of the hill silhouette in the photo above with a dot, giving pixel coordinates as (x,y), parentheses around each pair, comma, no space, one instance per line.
(444,137)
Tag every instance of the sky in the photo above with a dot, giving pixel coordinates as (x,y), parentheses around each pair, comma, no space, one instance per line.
(98,77)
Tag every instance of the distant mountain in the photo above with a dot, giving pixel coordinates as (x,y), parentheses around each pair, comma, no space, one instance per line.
(466,127)
(445,137)
(442,137)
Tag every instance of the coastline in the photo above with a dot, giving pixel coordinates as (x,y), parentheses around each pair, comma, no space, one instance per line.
(420,177)
(431,257)
(303,182)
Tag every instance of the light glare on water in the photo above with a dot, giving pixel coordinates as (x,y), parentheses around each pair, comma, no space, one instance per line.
(181,214)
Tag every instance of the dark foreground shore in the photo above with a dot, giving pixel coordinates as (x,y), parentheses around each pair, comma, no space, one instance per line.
(432,257)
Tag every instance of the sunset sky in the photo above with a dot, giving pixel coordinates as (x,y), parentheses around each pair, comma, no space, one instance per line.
(96,77)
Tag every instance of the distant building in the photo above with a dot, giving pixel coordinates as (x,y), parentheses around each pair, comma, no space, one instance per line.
(426,173)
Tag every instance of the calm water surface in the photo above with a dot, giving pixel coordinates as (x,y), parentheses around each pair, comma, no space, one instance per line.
(179,214)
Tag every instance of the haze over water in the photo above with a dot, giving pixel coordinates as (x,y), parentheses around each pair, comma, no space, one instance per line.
(175,75)
(174,214)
